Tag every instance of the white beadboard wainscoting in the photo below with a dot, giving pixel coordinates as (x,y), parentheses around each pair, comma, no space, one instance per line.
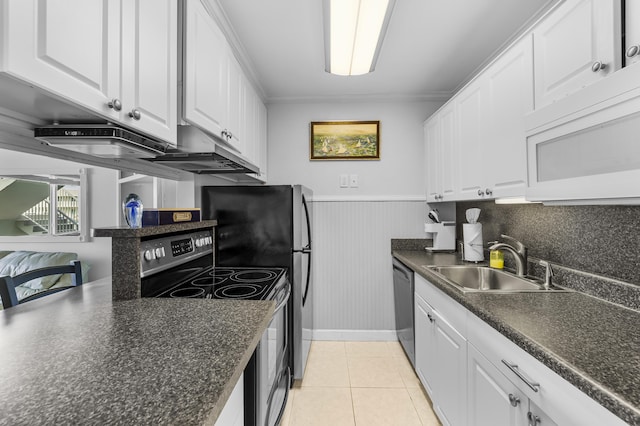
(353,279)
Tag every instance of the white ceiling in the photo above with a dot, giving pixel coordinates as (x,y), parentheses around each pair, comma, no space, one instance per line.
(431,47)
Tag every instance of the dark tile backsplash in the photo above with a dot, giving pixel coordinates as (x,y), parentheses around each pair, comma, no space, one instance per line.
(601,240)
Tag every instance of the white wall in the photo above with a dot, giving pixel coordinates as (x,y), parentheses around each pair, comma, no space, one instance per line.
(353,296)
(399,172)
(103,209)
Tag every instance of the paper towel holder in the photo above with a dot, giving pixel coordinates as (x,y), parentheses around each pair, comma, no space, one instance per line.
(443,234)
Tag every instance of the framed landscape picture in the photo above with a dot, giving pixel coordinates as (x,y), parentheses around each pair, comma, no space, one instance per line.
(345,140)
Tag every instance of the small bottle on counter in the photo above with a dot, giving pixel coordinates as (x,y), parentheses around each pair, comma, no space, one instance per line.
(496,259)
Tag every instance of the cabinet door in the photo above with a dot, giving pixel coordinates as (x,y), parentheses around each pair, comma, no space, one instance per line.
(69,48)
(149,66)
(569,43)
(492,400)
(432,161)
(261,140)
(632,31)
(509,83)
(236,88)
(447,141)
(471,140)
(205,59)
(426,367)
(451,377)
(537,417)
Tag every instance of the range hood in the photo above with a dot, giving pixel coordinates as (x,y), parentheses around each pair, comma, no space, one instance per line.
(100,140)
(199,153)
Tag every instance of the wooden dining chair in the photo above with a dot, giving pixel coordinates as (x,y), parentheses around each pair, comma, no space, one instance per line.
(8,284)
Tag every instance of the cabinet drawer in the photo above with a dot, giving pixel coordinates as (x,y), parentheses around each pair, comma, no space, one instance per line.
(449,309)
(557,397)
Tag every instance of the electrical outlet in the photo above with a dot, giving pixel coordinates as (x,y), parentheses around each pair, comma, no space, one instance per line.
(344,181)
(353,181)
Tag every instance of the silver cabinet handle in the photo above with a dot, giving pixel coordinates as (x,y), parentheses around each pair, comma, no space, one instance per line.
(533,419)
(135,114)
(488,191)
(633,51)
(514,368)
(431,319)
(514,400)
(115,104)
(598,66)
(480,192)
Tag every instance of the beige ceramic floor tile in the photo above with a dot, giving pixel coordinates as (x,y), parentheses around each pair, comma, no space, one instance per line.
(288,408)
(326,370)
(408,374)
(367,349)
(423,406)
(322,406)
(377,372)
(386,407)
(330,347)
(396,349)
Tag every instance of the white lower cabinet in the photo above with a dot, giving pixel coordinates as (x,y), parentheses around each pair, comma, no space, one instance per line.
(491,398)
(476,376)
(441,353)
(233,412)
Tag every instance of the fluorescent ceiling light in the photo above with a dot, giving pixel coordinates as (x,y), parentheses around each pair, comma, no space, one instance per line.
(353,34)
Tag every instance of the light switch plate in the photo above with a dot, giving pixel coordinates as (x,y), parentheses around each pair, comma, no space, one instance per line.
(353,181)
(344,181)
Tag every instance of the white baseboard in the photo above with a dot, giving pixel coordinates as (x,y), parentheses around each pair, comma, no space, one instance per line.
(356,335)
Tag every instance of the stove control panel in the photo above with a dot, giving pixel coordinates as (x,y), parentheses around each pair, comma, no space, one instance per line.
(159,254)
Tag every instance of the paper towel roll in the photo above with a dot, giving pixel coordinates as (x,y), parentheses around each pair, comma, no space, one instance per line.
(473,245)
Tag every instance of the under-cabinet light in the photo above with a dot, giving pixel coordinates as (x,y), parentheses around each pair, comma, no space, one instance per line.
(514,200)
(353,34)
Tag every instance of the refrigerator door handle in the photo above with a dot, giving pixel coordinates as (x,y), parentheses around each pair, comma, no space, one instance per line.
(306,287)
(307,249)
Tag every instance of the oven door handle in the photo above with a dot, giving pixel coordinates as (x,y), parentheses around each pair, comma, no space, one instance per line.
(282,300)
(286,398)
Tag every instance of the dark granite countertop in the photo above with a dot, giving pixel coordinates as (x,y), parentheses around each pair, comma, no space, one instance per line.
(591,343)
(147,231)
(76,357)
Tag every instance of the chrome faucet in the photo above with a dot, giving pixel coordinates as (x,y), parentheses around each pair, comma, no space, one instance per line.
(548,275)
(517,249)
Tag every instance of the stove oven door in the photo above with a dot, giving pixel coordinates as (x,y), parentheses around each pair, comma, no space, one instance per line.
(271,371)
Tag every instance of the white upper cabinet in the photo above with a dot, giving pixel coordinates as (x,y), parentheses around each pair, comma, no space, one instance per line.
(150,66)
(440,133)
(69,48)
(632,32)
(575,46)
(115,59)
(433,180)
(236,108)
(485,156)
(472,144)
(217,96)
(509,83)
(205,69)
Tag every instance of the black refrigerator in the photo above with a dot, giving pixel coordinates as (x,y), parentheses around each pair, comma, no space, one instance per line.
(269,226)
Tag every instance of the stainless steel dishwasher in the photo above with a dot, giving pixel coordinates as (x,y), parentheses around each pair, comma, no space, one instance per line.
(403,288)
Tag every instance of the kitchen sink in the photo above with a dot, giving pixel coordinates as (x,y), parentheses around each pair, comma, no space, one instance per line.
(482,278)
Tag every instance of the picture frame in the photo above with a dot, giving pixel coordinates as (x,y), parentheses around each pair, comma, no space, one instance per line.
(345,140)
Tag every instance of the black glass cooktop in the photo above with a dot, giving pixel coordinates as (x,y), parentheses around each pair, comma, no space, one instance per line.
(228,283)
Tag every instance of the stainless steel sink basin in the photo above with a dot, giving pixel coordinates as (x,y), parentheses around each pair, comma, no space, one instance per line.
(469,278)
